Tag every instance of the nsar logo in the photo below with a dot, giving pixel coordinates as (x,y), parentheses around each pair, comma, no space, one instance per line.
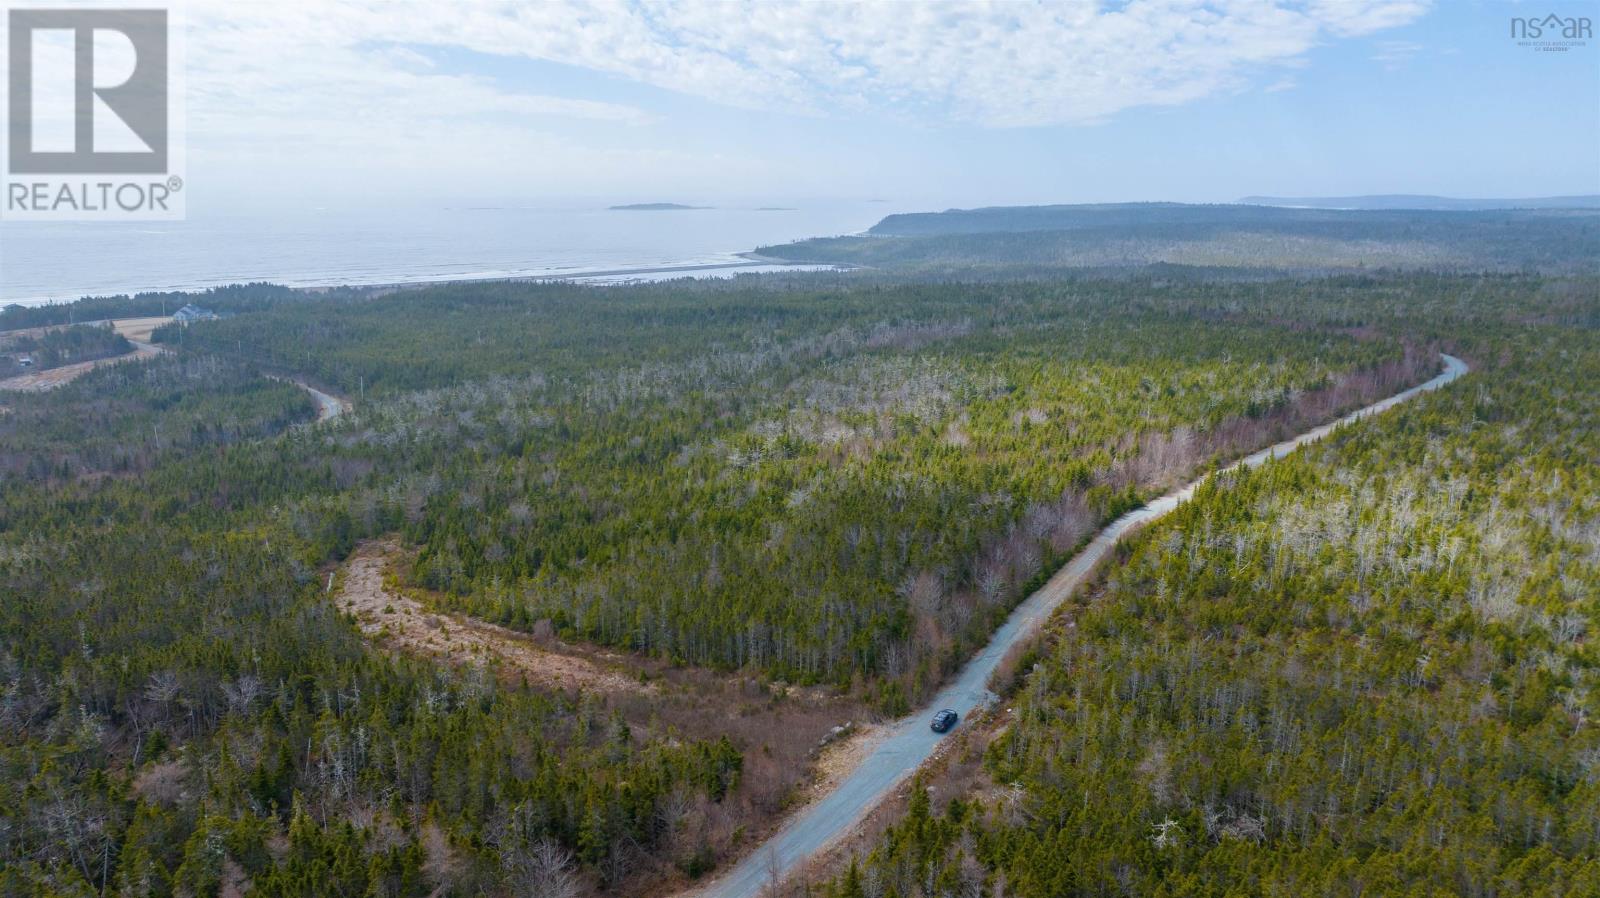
(1553,32)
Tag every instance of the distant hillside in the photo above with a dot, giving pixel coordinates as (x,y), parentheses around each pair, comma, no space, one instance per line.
(1421,201)
(1234,236)
(654,207)
(1060,218)
(1148,215)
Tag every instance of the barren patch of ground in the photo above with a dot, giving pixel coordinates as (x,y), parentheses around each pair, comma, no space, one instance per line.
(838,759)
(955,771)
(137,330)
(798,742)
(140,329)
(50,378)
(405,624)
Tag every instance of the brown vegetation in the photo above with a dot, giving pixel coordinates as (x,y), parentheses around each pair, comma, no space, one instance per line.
(51,378)
(955,771)
(798,743)
(404,623)
(139,329)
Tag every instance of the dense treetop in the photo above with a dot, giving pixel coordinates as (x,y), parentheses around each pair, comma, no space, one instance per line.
(1366,669)
(841,480)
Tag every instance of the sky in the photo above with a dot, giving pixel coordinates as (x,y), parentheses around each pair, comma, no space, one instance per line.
(341,102)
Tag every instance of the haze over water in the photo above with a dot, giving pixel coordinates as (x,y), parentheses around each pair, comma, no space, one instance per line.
(42,262)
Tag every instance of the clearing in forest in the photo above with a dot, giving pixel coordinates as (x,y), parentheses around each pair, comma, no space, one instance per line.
(50,378)
(406,624)
(136,330)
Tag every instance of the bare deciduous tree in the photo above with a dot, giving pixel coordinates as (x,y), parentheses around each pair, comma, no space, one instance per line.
(242,693)
(541,870)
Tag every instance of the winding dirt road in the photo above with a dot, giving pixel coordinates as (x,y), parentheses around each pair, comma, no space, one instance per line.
(329,406)
(910,742)
(136,330)
(50,378)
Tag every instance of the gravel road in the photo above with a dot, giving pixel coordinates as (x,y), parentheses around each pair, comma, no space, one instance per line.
(910,742)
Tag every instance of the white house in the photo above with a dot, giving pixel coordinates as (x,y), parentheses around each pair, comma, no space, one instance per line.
(193,313)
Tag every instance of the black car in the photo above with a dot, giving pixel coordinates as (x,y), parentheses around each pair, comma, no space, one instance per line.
(944,720)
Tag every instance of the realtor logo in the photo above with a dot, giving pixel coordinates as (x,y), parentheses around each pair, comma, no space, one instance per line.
(137,102)
(90,114)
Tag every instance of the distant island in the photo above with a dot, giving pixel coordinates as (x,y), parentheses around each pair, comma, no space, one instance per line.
(655,207)
(776,209)
(1424,202)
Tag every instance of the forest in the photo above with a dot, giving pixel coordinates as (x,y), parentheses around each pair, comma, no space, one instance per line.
(1365,669)
(846,498)
(1153,218)
(128,418)
(234,298)
(1041,239)
(833,486)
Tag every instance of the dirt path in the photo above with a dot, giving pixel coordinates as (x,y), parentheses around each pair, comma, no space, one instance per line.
(329,406)
(837,760)
(133,328)
(799,750)
(50,378)
(403,623)
(136,330)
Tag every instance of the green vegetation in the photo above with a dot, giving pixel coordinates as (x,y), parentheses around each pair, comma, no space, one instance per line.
(834,481)
(1156,219)
(235,298)
(183,711)
(1367,669)
(59,346)
(833,494)
(178,701)
(1050,238)
(125,418)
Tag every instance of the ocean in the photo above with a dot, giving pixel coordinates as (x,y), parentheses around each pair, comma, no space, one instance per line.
(53,262)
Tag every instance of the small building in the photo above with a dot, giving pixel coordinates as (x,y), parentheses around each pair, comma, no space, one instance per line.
(25,362)
(193,312)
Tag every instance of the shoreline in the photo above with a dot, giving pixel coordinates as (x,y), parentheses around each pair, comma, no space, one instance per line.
(614,275)
(739,263)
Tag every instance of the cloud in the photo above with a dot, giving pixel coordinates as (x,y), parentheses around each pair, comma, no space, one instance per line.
(1395,54)
(368,94)
(1352,18)
(990,64)
(328,62)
